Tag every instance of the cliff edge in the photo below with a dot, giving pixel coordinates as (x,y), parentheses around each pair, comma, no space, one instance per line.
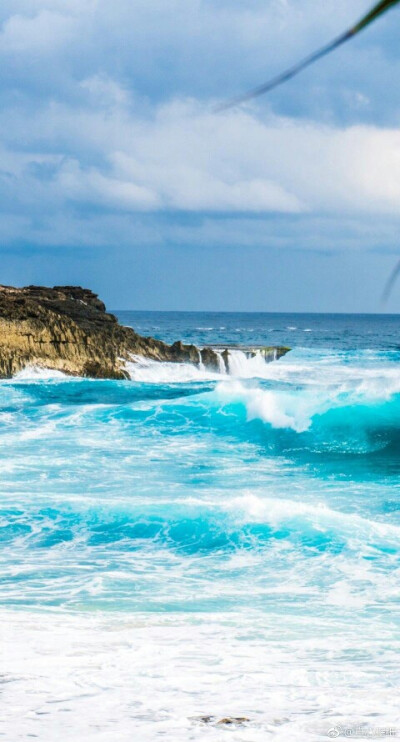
(67,328)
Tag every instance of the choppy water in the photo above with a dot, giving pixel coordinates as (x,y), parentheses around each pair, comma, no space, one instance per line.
(188,544)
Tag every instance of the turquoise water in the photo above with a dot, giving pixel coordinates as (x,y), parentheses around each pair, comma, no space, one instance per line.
(189,543)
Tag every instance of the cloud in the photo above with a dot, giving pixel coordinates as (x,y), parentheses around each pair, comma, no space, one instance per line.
(100,132)
(183,157)
(165,49)
(43,33)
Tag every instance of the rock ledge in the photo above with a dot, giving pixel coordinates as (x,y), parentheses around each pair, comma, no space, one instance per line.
(67,328)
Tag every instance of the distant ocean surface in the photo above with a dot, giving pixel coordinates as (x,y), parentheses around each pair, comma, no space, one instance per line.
(189,544)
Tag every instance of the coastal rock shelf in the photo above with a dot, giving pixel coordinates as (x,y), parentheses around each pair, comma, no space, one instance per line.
(233,358)
(67,328)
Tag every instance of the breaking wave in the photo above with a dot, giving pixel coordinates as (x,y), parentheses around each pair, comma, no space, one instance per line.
(364,406)
(39,372)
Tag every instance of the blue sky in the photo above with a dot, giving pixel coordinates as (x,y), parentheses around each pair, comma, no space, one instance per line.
(116,173)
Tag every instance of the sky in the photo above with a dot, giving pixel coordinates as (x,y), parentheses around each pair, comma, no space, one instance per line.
(117,173)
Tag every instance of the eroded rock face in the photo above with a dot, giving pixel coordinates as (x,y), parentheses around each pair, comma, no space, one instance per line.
(67,328)
(210,359)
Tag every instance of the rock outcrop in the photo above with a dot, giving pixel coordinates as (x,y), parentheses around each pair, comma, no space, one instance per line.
(67,328)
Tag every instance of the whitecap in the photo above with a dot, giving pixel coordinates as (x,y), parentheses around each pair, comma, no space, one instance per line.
(39,372)
(156,372)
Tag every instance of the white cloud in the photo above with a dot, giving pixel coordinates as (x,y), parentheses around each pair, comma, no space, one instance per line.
(163,46)
(44,32)
(78,134)
(89,186)
(188,158)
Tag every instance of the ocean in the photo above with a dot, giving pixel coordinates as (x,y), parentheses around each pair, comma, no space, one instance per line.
(188,547)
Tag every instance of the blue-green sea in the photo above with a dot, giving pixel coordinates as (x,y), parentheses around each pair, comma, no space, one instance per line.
(190,543)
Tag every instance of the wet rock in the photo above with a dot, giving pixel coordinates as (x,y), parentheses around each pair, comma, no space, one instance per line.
(225,358)
(226,721)
(185,353)
(274,352)
(210,359)
(205,719)
(232,720)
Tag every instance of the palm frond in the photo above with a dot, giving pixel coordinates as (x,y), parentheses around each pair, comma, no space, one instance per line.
(391,282)
(371,16)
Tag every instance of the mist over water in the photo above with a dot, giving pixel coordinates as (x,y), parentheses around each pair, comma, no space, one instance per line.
(190,543)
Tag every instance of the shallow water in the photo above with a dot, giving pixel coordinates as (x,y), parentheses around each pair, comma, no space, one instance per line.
(189,544)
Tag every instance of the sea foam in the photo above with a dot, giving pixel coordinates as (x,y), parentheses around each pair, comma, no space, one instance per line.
(186,545)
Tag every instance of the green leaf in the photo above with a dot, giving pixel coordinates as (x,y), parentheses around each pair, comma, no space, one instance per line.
(373,14)
(376,11)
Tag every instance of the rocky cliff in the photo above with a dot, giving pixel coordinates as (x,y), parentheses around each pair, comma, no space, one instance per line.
(68,329)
